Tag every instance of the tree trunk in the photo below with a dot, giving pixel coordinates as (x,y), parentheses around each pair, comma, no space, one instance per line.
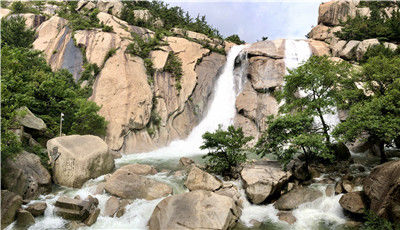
(382,152)
(324,126)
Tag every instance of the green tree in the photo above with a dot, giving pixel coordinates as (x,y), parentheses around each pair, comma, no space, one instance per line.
(235,39)
(14,32)
(226,150)
(310,92)
(378,112)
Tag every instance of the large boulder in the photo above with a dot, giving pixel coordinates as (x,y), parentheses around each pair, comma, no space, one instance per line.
(27,119)
(296,197)
(265,72)
(338,47)
(319,48)
(10,203)
(24,219)
(349,50)
(354,202)
(37,209)
(77,158)
(273,49)
(128,185)
(363,47)
(140,169)
(78,210)
(113,6)
(333,12)
(195,210)
(263,179)
(382,187)
(26,176)
(197,179)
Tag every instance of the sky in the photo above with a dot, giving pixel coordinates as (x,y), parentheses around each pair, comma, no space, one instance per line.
(252,20)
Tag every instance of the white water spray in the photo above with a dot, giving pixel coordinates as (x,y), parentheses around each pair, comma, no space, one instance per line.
(221,112)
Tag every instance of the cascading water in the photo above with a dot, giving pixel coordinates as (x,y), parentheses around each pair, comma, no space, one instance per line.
(221,111)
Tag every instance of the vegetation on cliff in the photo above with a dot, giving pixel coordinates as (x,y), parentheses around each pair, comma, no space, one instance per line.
(378,25)
(27,80)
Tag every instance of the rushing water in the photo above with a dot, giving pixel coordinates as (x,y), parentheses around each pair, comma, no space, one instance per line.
(324,213)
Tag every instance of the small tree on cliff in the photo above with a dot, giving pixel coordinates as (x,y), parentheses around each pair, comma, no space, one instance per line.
(226,150)
(310,91)
(378,112)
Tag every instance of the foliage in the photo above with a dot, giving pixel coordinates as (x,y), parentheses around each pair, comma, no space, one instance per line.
(374,222)
(14,32)
(82,20)
(379,50)
(317,81)
(226,150)
(173,65)
(378,25)
(171,16)
(19,7)
(109,54)
(378,113)
(287,135)
(28,81)
(235,39)
(264,38)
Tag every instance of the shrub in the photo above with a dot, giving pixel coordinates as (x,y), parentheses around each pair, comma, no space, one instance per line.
(14,32)
(235,39)
(173,65)
(374,222)
(225,150)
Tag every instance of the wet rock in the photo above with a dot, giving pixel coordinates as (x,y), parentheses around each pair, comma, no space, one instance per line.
(128,185)
(263,179)
(338,188)
(112,206)
(24,219)
(354,202)
(198,179)
(330,190)
(100,188)
(341,151)
(122,208)
(265,72)
(10,203)
(299,169)
(287,217)
(37,209)
(92,217)
(195,210)
(179,173)
(347,186)
(382,187)
(78,159)
(296,197)
(140,169)
(26,176)
(184,162)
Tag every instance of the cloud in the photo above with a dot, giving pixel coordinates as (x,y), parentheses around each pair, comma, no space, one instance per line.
(255,19)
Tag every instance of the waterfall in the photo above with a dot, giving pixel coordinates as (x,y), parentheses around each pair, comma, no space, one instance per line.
(221,111)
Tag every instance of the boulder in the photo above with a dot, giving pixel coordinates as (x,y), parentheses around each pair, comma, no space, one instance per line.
(354,202)
(330,190)
(184,162)
(92,217)
(195,210)
(26,176)
(363,47)
(197,179)
(77,158)
(296,197)
(140,169)
(338,47)
(128,185)
(347,186)
(299,169)
(273,49)
(333,12)
(229,190)
(287,217)
(391,46)
(113,6)
(349,50)
(77,209)
(10,203)
(116,207)
(263,179)
(24,219)
(266,73)
(319,32)
(340,151)
(319,48)
(37,209)
(27,119)
(382,187)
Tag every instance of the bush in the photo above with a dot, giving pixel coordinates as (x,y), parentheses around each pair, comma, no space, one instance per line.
(235,39)
(379,50)
(14,33)
(374,222)
(225,150)
(173,65)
